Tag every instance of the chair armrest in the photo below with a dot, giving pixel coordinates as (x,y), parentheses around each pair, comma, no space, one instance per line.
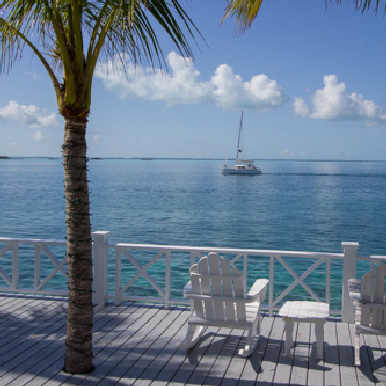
(259,288)
(354,290)
(187,289)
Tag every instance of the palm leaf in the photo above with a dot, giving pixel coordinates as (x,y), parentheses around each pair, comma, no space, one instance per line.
(245,11)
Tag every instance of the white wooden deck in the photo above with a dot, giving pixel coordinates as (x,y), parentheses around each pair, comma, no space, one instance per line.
(137,344)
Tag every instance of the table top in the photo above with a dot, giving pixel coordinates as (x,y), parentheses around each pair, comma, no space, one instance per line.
(305,310)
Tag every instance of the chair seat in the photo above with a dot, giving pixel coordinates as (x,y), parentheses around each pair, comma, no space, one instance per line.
(252,313)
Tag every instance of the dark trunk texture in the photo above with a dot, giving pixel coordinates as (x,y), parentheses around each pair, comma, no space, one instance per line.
(78,350)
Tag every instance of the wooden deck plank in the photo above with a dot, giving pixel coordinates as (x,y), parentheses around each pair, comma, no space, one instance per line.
(346,356)
(164,352)
(28,347)
(138,344)
(236,364)
(138,358)
(253,365)
(221,371)
(284,365)
(19,308)
(116,343)
(300,354)
(272,353)
(315,366)
(29,331)
(364,372)
(201,358)
(374,350)
(331,355)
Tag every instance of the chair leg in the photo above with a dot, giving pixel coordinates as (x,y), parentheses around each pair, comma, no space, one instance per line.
(258,325)
(192,336)
(357,347)
(319,332)
(250,343)
(289,333)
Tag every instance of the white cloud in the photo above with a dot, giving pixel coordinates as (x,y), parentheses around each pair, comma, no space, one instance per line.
(33,75)
(31,116)
(301,107)
(184,86)
(333,102)
(38,136)
(96,137)
(285,153)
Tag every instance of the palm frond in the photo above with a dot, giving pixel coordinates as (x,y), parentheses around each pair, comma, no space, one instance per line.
(364,5)
(245,11)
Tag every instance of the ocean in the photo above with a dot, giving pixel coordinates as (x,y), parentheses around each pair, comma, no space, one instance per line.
(293,205)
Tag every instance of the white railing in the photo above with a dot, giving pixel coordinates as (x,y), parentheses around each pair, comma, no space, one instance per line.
(39,248)
(157,273)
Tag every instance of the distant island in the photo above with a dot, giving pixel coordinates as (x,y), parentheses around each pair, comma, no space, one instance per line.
(3,157)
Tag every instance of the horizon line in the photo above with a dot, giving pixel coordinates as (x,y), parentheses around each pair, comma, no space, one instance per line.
(202,159)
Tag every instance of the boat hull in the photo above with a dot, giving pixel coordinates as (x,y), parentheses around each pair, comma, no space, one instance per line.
(245,172)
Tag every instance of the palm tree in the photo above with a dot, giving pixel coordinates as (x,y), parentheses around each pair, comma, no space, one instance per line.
(69,37)
(246,11)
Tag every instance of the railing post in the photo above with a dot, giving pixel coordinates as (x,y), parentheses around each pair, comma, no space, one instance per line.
(100,267)
(349,272)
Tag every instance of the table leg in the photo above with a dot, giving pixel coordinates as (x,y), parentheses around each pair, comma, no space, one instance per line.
(289,329)
(319,332)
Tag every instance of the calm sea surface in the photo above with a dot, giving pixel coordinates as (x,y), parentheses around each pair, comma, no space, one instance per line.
(310,206)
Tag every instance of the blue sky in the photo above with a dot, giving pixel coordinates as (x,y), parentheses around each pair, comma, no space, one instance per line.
(311,81)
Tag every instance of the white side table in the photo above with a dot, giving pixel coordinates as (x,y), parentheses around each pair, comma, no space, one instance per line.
(308,312)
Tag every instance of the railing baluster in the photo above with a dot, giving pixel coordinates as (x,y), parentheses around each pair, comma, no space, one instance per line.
(167,279)
(245,272)
(328,280)
(15,265)
(271,283)
(117,276)
(37,266)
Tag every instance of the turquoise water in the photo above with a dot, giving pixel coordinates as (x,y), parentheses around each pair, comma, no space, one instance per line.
(309,206)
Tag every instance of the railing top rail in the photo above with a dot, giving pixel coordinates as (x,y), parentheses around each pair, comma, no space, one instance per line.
(371,258)
(32,241)
(256,252)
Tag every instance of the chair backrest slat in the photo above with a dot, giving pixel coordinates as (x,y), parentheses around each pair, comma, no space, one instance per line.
(238,285)
(373,293)
(367,285)
(195,277)
(206,287)
(227,288)
(379,290)
(215,278)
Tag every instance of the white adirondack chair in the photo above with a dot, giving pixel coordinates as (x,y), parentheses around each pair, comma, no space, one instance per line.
(218,299)
(370,307)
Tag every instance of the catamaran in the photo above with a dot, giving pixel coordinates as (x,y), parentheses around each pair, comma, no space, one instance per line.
(242,166)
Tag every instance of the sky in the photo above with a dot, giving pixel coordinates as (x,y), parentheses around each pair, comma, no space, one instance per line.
(310,79)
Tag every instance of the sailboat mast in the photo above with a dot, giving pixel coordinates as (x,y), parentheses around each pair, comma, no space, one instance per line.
(240,130)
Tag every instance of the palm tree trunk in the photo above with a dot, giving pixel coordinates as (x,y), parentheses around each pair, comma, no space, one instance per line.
(78,355)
